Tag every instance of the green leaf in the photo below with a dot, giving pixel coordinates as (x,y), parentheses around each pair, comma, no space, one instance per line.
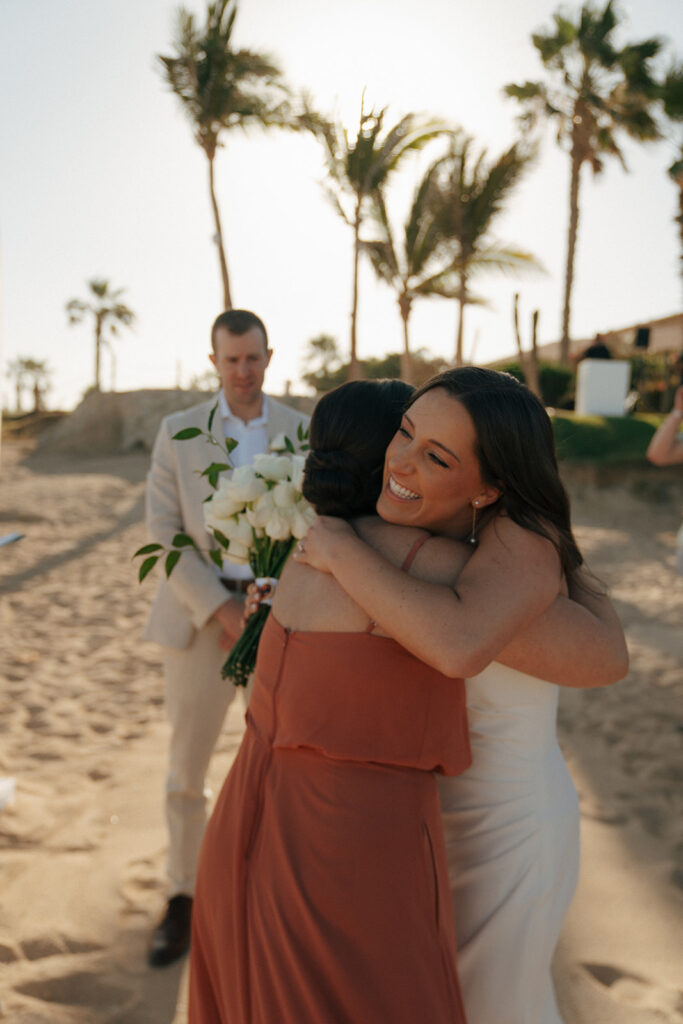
(181,540)
(187,434)
(230,445)
(172,560)
(217,558)
(302,432)
(289,446)
(221,538)
(147,567)
(148,549)
(215,468)
(211,416)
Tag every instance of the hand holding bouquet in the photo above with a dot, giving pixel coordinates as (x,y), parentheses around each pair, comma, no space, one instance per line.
(256,516)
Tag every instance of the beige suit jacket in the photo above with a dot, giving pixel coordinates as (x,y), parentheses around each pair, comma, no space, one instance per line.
(175,495)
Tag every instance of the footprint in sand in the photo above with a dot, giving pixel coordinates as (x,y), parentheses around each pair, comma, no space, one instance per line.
(140,888)
(39,947)
(596,810)
(635,991)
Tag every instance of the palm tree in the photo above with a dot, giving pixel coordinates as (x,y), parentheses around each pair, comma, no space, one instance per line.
(16,369)
(595,91)
(470,194)
(418,267)
(672,102)
(221,88)
(107,310)
(359,167)
(38,371)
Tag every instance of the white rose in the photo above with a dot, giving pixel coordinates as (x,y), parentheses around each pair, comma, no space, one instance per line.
(223,504)
(237,528)
(218,516)
(284,494)
(278,526)
(273,467)
(298,463)
(303,517)
(261,511)
(278,444)
(237,553)
(245,485)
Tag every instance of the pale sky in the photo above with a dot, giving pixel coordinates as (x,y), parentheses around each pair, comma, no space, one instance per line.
(100,176)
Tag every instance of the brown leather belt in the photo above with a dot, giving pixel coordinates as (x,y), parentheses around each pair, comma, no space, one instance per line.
(236,586)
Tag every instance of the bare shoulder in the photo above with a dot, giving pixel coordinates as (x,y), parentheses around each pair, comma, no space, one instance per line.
(441,560)
(392,542)
(438,559)
(505,542)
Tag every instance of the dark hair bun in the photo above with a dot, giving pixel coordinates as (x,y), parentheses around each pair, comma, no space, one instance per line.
(336,483)
(350,429)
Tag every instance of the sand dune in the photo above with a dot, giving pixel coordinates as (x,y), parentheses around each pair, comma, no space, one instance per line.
(83,734)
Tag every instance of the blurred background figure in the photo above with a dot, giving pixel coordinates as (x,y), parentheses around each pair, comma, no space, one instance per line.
(666,449)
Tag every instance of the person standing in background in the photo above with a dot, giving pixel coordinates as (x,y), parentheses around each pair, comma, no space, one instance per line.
(196,615)
(666,446)
(666,449)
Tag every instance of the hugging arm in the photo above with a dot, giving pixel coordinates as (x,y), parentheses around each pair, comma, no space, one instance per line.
(578,641)
(575,641)
(513,577)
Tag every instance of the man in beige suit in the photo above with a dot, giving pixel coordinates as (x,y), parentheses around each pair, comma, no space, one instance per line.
(196,615)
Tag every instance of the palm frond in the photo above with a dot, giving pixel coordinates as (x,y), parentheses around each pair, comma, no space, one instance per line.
(508,260)
(383,259)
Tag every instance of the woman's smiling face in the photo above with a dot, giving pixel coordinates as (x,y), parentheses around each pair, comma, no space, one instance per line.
(431,473)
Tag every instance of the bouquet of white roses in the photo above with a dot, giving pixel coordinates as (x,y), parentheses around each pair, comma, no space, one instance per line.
(256,516)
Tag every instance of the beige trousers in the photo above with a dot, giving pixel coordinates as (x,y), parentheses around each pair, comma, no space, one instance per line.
(197,700)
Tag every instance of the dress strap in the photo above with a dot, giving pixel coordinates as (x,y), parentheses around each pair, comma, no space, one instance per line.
(407,562)
(410,557)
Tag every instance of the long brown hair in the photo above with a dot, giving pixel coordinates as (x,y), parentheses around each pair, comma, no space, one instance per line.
(515,449)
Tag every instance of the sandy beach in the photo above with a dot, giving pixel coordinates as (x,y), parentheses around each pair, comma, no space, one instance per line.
(83,733)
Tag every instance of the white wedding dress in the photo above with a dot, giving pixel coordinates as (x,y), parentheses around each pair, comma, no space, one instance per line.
(511,825)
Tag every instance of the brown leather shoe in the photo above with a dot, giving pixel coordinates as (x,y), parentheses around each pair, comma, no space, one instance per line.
(171,937)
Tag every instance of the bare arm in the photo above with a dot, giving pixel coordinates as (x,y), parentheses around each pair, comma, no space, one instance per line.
(513,577)
(578,641)
(666,448)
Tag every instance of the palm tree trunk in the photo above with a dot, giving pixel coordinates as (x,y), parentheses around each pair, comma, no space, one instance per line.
(406,358)
(354,365)
(98,349)
(679,218)
(227,300)
(462,296)
(571,250)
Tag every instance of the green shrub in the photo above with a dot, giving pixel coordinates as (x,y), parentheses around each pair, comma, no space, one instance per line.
(655,376)
(603,438)
(557,382)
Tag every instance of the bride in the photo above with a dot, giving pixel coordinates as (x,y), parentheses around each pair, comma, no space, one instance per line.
(473,460)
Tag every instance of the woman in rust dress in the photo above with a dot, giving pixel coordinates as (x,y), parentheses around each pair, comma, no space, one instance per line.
(322,894)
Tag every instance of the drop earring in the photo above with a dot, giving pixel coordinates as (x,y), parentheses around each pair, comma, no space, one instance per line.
(472,539)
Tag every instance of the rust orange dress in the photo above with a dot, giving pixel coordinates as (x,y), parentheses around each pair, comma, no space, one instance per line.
(322,894)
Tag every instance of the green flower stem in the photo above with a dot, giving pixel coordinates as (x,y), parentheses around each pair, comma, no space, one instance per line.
(267,559)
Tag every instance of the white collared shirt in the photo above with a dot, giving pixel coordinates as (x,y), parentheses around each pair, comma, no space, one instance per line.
(252,439)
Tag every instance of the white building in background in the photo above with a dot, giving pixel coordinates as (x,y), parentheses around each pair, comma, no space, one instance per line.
(602,386)
(662,335)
